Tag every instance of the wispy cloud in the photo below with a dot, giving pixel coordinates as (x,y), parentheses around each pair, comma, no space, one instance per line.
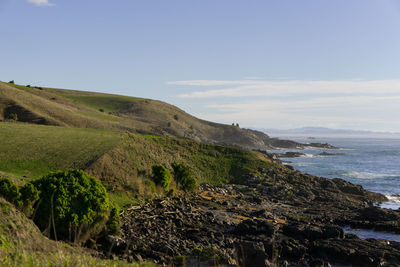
(354,104)
(41,2)
(356,112)
(257,88)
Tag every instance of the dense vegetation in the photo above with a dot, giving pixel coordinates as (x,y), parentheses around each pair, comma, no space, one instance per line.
(69,205)
(161,176)
(22,244)
(184,176)
(72,203)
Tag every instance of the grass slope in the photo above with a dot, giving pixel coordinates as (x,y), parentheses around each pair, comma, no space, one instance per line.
(105,111)
(122,161)
(129,163)
(34,150)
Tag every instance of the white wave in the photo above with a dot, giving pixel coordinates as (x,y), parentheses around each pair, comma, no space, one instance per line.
(346,149)
(302,164)
(393,203)
(308,155)
(368,175)
(393,198)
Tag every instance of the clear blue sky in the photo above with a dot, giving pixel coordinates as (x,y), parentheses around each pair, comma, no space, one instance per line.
(271,64)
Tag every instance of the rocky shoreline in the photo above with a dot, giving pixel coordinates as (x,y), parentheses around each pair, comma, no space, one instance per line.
(280,218)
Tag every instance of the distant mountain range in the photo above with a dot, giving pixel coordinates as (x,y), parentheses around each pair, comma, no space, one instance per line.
(326,132)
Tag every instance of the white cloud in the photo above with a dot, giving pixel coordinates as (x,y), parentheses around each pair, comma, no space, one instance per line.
(350,104)
(316,103)
(257,88)
(41,2)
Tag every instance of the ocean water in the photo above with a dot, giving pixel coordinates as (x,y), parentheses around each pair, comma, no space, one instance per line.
(373,163)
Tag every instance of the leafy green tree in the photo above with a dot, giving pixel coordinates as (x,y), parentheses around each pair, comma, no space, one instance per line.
(184,176)
(73,203)
(29,196)
(113,222)
(9,190)
(162,176)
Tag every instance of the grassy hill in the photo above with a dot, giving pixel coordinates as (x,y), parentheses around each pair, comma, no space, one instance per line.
(115,138)
(122,161)
(104,111)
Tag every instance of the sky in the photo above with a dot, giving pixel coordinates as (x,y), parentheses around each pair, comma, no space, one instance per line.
(260,63)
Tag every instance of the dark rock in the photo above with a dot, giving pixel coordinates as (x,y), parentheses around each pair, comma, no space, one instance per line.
(378,214)
(254,227)
(251,254)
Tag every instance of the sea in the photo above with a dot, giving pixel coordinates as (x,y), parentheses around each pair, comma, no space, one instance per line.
(371,162)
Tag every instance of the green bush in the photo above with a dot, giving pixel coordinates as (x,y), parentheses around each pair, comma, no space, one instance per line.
(9,190)
(12,116)
(162,176)
(73,203)
(113,222)
(184,176)
(12,82)
(29,195)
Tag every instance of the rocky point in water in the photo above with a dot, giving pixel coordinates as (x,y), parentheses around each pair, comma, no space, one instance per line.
(279,218)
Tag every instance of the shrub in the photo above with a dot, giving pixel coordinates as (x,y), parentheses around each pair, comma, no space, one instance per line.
(12,116)
(9,190)
(176,117)
(29,195)
(73,202)
(113,222)
(184,176)
(162,176)
(28,85)
(101,110)
(12,82)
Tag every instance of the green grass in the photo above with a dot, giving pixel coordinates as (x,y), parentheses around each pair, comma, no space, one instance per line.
(132,159)
(34,150)
(108,103)
(100,116)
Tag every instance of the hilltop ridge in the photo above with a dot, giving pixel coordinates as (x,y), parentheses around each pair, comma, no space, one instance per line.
(79,109)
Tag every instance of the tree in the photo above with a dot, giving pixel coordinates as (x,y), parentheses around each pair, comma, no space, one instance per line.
(73,203)
(29,195)
(162,176)
(9,190)
(184,176)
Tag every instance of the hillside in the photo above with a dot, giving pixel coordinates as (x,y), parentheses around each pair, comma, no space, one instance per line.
(114,112)
(122,161)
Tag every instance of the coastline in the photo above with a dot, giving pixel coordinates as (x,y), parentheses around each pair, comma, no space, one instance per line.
(281,218)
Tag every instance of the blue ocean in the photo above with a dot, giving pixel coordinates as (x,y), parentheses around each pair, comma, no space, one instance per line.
(371,162)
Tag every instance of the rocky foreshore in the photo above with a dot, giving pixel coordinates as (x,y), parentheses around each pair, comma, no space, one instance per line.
(280,218)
